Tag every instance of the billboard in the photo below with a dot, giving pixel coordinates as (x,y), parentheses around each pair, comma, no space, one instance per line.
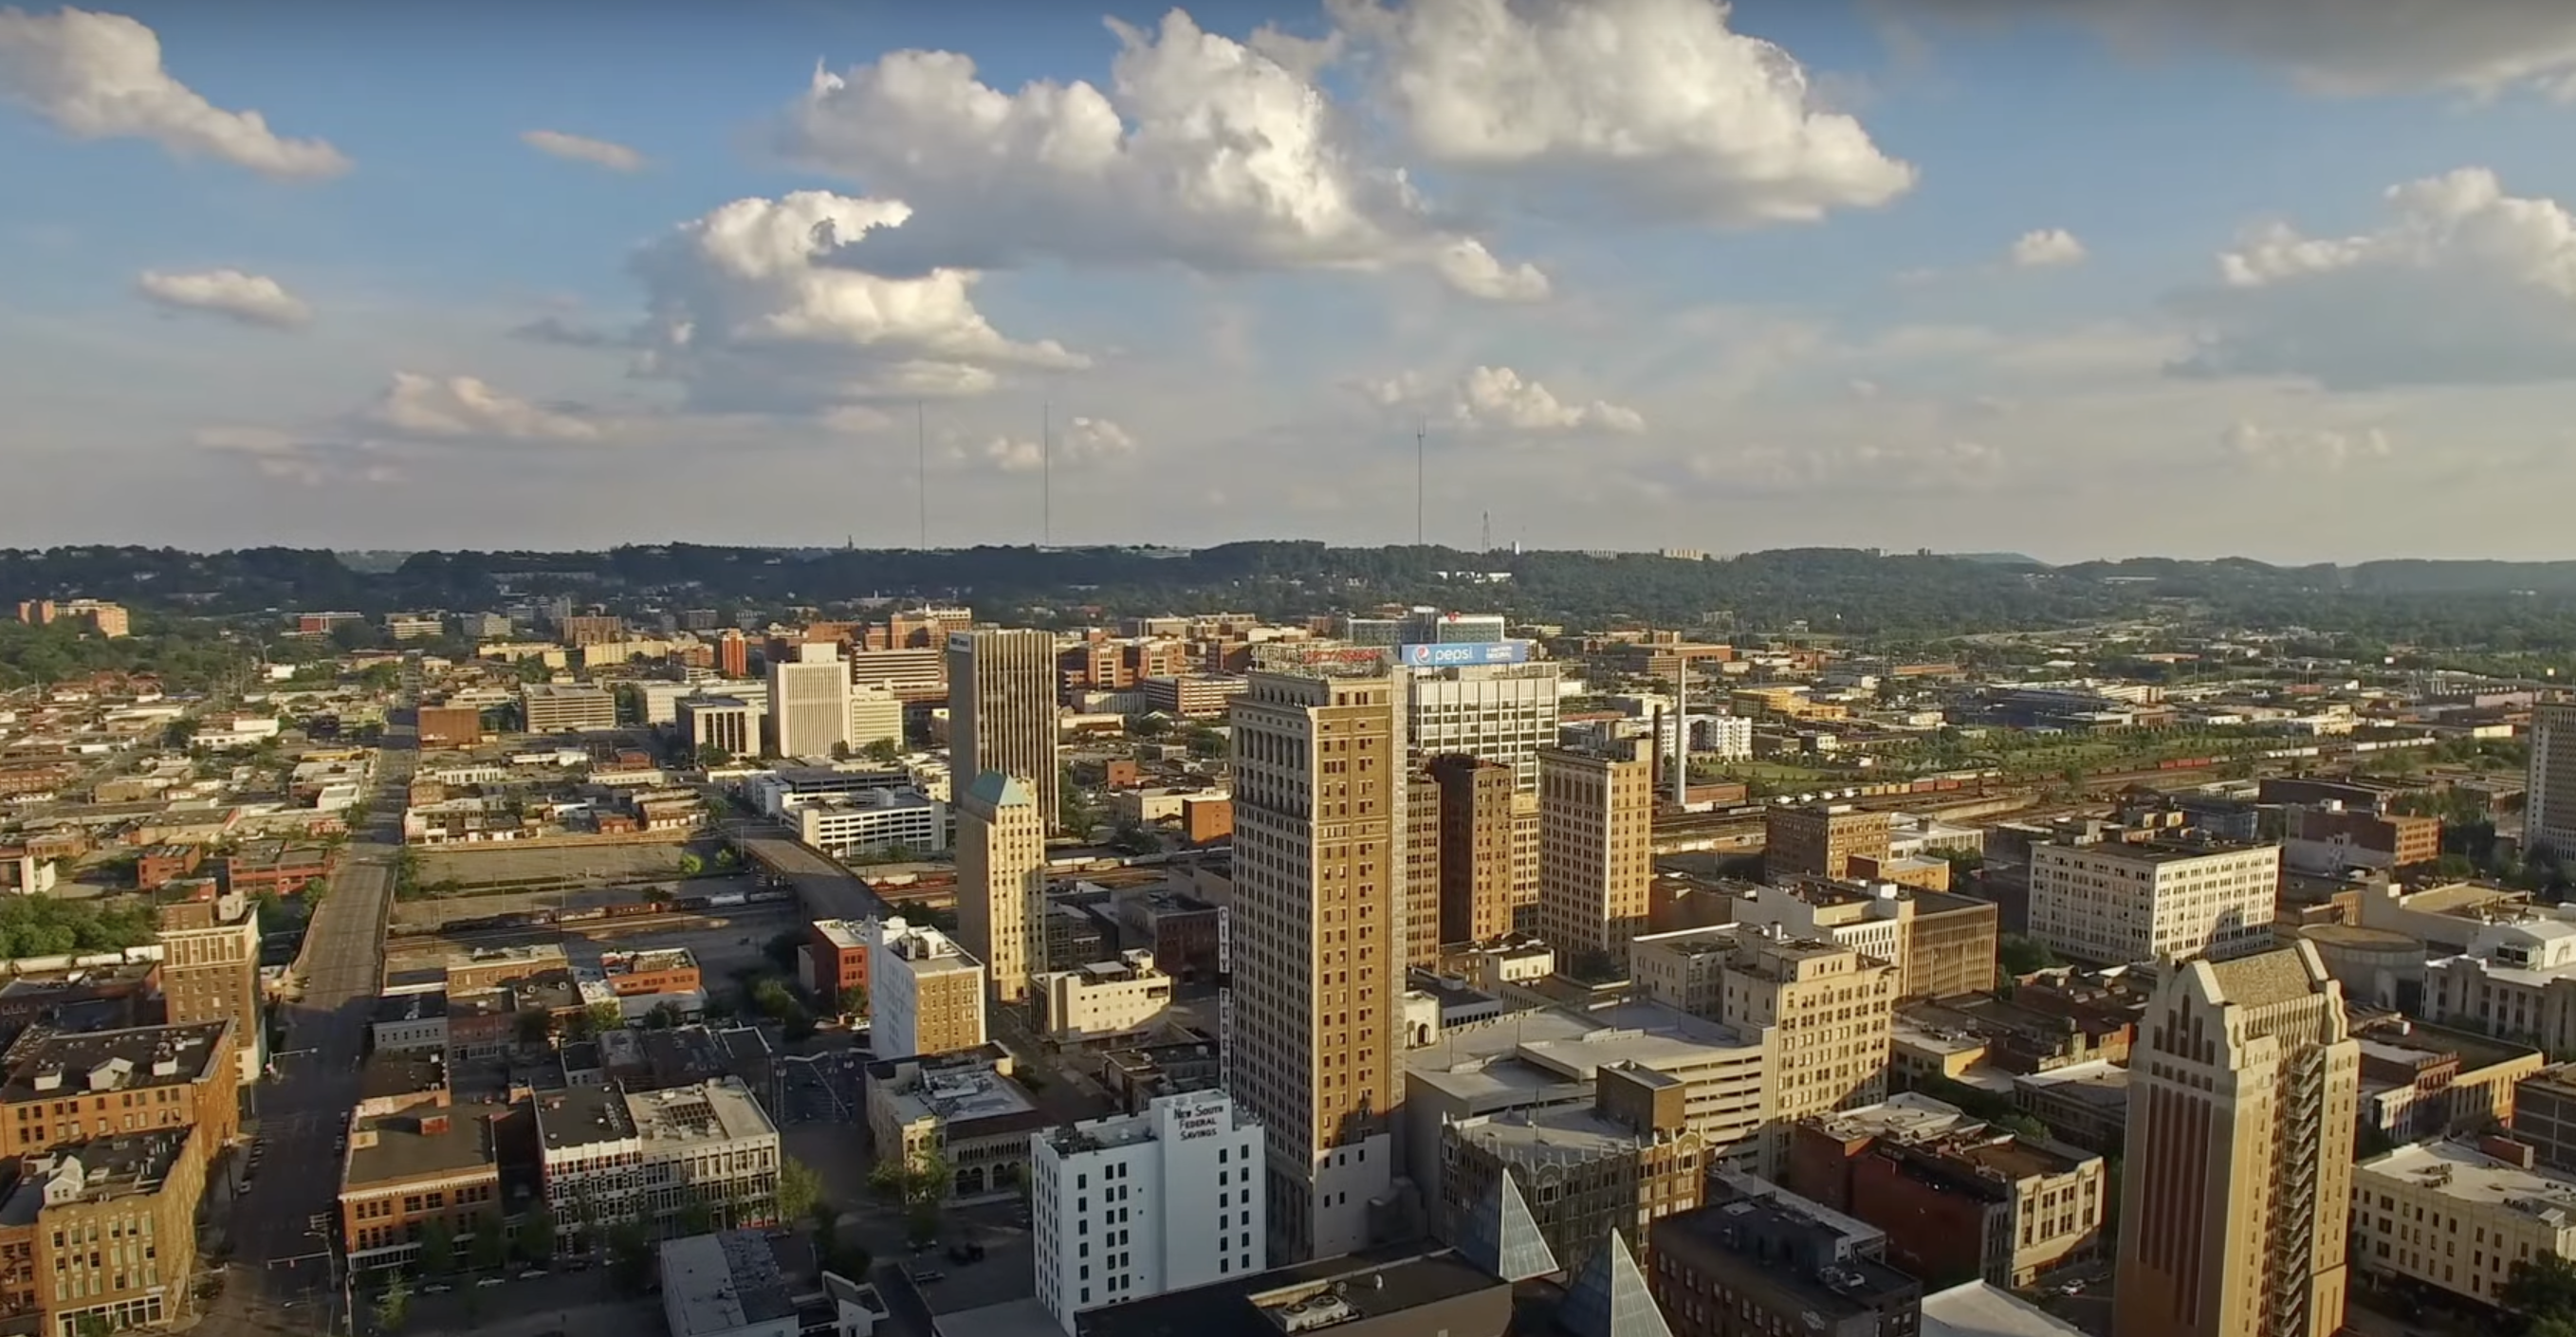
(1463,652)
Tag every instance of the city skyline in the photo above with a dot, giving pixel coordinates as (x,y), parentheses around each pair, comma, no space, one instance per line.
(1901,258)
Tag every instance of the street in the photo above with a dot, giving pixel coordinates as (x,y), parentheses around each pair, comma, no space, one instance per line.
(281,1276)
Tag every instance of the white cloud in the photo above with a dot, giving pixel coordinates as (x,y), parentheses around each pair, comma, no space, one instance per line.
(99,76)
(581,148)
(464,407)
(1903,466)
(748,309)
(2311,449)
(2047,248)
(1497,400)
(1647,107)
(250,299)
(1202,151)
(2462,284)
(2346,47)
(1082,442)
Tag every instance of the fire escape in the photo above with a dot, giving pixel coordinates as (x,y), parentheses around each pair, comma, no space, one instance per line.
(2290,1249)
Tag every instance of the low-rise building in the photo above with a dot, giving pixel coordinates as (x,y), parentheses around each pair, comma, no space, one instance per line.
(273,867)
(2421,1081)
(1940,944)
(836,960)
(656,1158)
(1194,696)
(64,1088)
(726,1284)
(2459,1216)
(1101,1001)
(1619,1163)
(429,1166)
(2544,1116)
(554,707)
(872,821)
(1774,1263)
(1959,1200)
(962,1106)
(1131,1206)
(101,1236)
(411,1020)
(1390,1292)
(2116,901)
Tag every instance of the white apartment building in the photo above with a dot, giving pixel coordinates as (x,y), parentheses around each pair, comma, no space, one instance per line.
(554,707)
(2517,980)
(845,825)
(809,702)
(925,994)
(1502,713)
(1135,1205)
(2458,1217)
(729,722)
(1103,998)
(2118,902)
(1727,737)
(610,1157)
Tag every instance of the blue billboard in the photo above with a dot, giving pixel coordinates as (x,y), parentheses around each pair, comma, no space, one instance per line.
(1465,652)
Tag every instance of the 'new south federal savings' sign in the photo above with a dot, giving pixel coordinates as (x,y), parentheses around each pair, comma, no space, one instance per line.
(1469,652)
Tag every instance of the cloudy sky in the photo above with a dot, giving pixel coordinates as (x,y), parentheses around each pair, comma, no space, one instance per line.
(2075,277)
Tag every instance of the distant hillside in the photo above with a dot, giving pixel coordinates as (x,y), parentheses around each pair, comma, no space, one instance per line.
(1998,558)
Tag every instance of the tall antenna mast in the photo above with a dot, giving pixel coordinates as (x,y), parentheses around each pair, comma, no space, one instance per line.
(1488,541)
(1417,487)
(921,467)
(1046,473)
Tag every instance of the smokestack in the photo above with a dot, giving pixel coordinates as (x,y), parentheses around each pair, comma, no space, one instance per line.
(1681,730)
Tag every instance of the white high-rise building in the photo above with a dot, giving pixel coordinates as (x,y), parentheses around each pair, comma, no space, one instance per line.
(1502,713)
(1135,1205)
(809,702)
(2549,788)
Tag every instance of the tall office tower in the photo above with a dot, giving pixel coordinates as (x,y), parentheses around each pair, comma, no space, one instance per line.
(1001,879)
(733,655)
(210,966)
(1001,710)
(1312,1012)
(809,702)
(1505,712)
(1819,840)
(1475,887)
(2549,788)
(1525,829)
(1420,898)
(2242,1090)
(1831,1011)
(1596,862)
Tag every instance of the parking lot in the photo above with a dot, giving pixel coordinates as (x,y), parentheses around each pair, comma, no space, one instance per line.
(589,865)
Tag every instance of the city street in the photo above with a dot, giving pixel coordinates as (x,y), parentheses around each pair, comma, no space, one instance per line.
(281,1277)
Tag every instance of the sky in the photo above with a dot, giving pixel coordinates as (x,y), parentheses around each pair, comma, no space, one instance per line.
(2077,278)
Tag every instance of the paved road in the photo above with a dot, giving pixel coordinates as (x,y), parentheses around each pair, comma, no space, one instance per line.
(281,1278)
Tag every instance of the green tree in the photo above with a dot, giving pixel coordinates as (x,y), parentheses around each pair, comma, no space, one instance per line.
(854,1003)
(696,1218)
(800,1190)
(2541,1288)
(630,1257)
(437,1248)
(2020,956)
(487,1251)
(918,1185)
(536,1026)
(537,1236)
(394,1305)
(690,864)
(1150,725)
(882,751)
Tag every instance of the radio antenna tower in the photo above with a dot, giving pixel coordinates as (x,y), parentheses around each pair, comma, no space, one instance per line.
(921,467)
(1417,486)
(1487,544)
(1046,474)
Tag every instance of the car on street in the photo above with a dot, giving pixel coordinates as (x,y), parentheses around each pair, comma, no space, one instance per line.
(490,1281)
(436,1288)
(923,1276)
(532,1273)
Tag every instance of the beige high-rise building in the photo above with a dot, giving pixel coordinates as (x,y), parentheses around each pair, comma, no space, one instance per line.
(1421,895)
(2549,785)
(1313,942)
(809,702)
(1002,710)
(1001,879)
(1525,829)
(1475,882)
(2242,1089)
(210,966)
(1830,1009)
(1596,861)
(925,994)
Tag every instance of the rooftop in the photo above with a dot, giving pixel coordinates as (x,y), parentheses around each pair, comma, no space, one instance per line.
(1976,1309)
(1372,1284)
(722,1282)
(1565,1133)
(45,1063)
(423,1141)
(94,1171)
(958,1095)
(419,1005)
(2461,1172)
(1802,1255)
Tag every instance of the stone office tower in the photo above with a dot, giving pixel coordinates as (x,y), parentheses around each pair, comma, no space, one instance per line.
(1313,947)
(2243,1087)
(1002,711)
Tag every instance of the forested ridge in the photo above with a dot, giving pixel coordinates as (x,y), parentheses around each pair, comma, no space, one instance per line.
(2520,606)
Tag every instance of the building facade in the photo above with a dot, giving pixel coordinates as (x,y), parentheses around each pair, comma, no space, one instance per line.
(925,994)
(1001,879)
(1819,840)
(2120,902)
(2243,1092)
(1131,1206)
(1475,835)
(809,702)
(1313,1008)
(554,707)
(1002,710)
(1596,864)
(2549,782)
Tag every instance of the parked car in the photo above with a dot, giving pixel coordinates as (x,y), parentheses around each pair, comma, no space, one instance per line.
(966,1253)
(490,1281)
(923,1276)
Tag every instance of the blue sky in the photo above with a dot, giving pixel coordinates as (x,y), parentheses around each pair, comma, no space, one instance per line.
(1651,292)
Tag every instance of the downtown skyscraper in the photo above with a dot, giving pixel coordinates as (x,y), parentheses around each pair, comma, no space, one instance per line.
(1002,711)
(1312,946)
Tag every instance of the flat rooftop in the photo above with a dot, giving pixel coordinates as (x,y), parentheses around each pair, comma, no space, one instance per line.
(2462,1173)
(721,1283)
(1375,1283)
(43,1064)
(961,1095)
(423,1141)
(1571,1133)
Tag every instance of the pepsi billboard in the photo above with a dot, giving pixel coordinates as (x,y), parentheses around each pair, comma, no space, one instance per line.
(1463,653)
